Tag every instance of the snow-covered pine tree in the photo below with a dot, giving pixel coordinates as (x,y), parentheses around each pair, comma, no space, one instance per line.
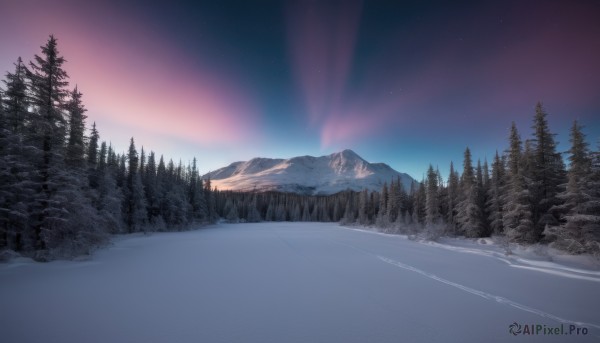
(47,131)
(121,171)
(433,220)
(469,214)
(363,200)
(134,205)
(195,193)
(548,173)
(348,217)
(19,184)
(453,191)
(403,205)
(92,148)
(516,215)
(75,150)
(16,102)
(442,198)
(233,216)
(481,196)
(280,212)
(210,201)
(325,213)
(111,158)
(175,205)
(432,206)
(110,197)
(314,215)
(392,202)
(3,121)
(151,191)
(270,214)
(142,167)
(102,156)
(580,230)
(305,211)
(92,157)
(295,213)
(336,215)
(383,220)
(253,214)
(420,203)
(495,194)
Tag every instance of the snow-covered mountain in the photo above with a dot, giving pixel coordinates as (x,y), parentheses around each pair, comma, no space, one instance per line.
(307,174)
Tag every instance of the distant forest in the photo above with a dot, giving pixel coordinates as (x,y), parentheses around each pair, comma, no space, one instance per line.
(64,192)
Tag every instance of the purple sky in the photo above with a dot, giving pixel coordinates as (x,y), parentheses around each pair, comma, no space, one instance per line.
(403,83)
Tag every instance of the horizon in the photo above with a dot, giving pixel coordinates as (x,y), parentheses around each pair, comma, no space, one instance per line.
(403,84)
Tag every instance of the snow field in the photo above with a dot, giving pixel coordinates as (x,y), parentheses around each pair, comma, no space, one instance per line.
(291,282)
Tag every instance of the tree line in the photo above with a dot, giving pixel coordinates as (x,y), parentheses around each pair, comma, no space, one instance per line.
(63,193)
(527,196)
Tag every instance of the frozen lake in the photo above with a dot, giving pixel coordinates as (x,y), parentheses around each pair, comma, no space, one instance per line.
(292,282)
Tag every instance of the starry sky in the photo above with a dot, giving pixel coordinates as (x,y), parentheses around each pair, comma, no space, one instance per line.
(405,83)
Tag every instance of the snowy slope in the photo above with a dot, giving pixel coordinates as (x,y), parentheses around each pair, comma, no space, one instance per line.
(289,282)
(307,174)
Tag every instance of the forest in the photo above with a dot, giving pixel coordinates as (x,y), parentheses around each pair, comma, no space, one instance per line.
(64,191)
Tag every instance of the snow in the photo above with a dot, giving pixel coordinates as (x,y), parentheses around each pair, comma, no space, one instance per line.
(307,174)
(294,282)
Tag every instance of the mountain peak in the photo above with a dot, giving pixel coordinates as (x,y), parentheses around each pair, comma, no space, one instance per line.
(307,174)
(348,153)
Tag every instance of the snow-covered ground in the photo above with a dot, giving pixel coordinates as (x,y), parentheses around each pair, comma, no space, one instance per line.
(295,282)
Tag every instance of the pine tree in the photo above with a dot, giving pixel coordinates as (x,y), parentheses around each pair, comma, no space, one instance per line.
(305,217)
(233,216)
(75,151)
(102,155)
(109,198)
(92,151)
(481,194)
(580,230)
(469,214)
(92,157)
(47,83)
(392,202)
(280,213)
(142,168)
(121,170)
(453,191)
(134,209)
(210,201)
(363,200)
(16,103)
(432,217)
(151,189)
(442,198)
(48,90)
(420,204)
(295,213)
(495,194)
(516,216)
(383,219)
(253,214)
(548,174)
(196,196)
(18,174)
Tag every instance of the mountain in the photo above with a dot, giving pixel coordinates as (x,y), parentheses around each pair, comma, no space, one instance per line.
(307,174)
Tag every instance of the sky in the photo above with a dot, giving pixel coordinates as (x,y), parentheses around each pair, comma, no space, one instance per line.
(405,83)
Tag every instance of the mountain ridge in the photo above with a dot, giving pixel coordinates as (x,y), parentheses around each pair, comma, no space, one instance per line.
(323,175)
